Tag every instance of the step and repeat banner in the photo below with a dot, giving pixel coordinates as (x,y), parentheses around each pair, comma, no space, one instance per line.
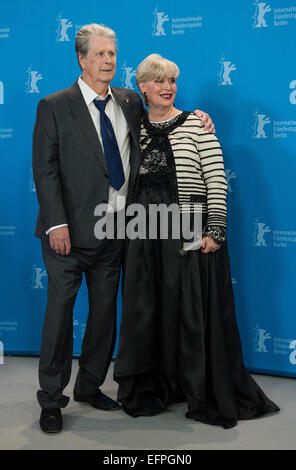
(237,62)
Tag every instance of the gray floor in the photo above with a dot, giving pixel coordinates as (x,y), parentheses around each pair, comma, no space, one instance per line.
(87,428)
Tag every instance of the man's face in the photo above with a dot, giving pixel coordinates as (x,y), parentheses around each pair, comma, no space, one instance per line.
(99,66)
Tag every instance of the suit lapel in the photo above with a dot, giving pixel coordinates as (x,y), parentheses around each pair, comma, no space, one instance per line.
(83,118)
(124,102)
(134,125)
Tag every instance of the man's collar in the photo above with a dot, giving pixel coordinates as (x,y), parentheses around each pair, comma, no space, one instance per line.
(89,94)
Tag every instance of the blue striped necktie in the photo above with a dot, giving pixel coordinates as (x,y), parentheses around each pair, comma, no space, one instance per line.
(111,150)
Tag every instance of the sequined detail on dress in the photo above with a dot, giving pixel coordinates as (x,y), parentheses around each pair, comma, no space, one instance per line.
(158,163)
(155,160)
(218,234)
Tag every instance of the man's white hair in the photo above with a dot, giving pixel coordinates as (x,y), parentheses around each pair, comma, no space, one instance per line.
(89,30)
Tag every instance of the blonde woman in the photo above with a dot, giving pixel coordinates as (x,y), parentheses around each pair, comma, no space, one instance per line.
(179,339)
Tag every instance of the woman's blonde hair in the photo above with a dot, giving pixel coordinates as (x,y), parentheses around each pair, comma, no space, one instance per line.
(156,67)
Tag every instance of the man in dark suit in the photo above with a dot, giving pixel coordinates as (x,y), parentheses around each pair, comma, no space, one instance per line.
(77,166)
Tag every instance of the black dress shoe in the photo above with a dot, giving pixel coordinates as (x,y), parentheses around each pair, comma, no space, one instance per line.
(98,400)
(51,420)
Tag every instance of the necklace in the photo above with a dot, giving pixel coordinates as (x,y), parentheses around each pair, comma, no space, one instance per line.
(173,113)
(167,120)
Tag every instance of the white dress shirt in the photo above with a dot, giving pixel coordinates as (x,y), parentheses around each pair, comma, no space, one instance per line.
(121,131)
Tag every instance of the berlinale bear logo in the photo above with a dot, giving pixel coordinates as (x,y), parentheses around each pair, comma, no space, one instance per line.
(33,77)
(159,19)
(259,236)
(64,25)
(127,75)
(261,336)
(259,18)
(38,274)
(261,120)
(226,68)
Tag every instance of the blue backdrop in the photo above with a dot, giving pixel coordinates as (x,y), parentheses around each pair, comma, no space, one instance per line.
(237,62)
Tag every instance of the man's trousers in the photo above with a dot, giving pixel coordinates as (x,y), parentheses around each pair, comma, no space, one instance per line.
(101,267)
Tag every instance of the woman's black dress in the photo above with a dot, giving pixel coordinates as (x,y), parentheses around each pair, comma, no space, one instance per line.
(179,339)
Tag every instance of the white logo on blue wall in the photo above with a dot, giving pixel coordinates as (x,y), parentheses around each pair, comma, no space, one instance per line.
(230,175)
(261,337)
(1,353)
(4,32)
(38,275)
(75,323)
(261,120)
(261,8)
(261,229)
(62,32)
(280,129)
(33,77)
(128,73)
(32,187)
(293,353)
(293,94)
(225,69)
(159,19)
(1,93)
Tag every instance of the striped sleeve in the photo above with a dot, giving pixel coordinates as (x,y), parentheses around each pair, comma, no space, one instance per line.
(213,174)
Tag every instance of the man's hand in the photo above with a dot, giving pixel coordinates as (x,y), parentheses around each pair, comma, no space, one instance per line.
(206,121)
(208,245)
(59,240)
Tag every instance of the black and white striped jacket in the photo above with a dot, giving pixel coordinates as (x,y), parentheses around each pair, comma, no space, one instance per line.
(200,172)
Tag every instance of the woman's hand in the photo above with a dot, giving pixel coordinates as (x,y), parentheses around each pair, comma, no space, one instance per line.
(208,245)
(206,121)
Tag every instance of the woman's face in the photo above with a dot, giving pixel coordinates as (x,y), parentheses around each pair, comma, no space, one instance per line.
(160,93)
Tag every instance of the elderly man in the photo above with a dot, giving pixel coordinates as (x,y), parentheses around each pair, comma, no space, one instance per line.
(85,153)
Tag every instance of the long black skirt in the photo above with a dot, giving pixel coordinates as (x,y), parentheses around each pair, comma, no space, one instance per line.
(179,339)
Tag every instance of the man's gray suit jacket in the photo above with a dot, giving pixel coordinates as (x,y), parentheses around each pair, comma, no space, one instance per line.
(69,165)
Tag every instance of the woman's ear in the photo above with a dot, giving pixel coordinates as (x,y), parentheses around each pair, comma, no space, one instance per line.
(142,87)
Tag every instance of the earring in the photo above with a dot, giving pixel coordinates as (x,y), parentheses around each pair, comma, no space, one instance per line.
(145,99)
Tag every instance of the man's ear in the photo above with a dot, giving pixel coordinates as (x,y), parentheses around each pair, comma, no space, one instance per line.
(81,60)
